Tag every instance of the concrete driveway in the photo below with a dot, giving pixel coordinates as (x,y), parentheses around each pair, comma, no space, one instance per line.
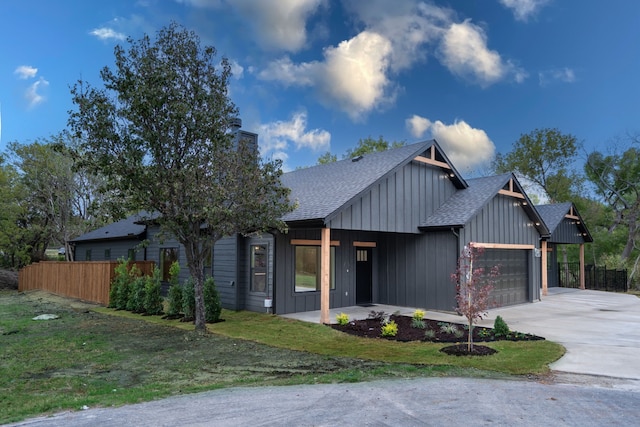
(600,330)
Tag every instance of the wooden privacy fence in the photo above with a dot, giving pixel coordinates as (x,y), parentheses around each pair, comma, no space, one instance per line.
(85,280)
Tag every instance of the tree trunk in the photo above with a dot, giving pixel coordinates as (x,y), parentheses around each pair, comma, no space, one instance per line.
(628,248)
(196,269)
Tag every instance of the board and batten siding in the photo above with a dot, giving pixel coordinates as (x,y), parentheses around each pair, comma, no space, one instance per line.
(286,300)
(567,232)
(504,221)
(397,203)
(225,271)
(417,270)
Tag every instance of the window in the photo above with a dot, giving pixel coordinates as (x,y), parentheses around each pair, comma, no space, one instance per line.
(308,268)
(131,254)
(258,268)
(167,257)
(107,254)
(87,255)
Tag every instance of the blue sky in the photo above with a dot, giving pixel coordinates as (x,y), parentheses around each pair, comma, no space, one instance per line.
(317,75)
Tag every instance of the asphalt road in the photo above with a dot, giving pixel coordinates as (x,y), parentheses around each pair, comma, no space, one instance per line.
(417,402)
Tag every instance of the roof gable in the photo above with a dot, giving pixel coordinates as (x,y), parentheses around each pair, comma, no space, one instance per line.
(322,191)
(466,203)
(554,214)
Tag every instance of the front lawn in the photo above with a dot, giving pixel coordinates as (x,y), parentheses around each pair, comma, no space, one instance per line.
(92,356)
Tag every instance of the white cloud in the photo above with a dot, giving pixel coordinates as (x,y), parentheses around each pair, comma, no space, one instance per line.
(26,72)
(276,137)
(408,25)
(105,33)
(563,75)
(465,53)
(280,24)
(523,9)
(352,77)
(236,69)
(418,125)
(33,94)
(466,147)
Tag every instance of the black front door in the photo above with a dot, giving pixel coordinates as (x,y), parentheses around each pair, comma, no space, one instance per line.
(364,293)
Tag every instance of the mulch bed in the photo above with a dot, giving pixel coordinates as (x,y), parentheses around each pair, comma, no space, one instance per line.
(434,331)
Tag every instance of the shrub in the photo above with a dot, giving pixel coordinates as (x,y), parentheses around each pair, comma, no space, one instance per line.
(449,328)
(152,293)
(175,301)
(390,329)
(500,327)
(342,319)
(418,315)
(120,280)
(430,334)
(174,272)
(135,303)
(212,304)
(377,315)
(417,323)
(189,300)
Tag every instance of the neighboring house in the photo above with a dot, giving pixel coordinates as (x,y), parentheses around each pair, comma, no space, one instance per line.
(567,228)
(397,222)
(121,239)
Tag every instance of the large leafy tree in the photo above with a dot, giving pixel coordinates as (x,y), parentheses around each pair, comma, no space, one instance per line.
(544,157)
(58,201)
(617,180)
(14,253)
(160,131)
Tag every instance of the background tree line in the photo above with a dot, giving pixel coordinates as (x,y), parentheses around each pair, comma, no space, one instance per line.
(46,199)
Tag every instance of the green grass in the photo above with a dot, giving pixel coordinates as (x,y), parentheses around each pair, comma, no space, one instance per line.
(514,358)
(89,358)
(525,357)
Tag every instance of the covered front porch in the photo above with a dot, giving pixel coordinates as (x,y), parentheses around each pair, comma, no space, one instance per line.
(359,312)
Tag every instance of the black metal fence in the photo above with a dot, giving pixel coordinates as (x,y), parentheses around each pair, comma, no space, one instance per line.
(595,277)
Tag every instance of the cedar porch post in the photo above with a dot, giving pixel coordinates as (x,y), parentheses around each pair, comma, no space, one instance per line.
(325,267)
(582,278)
(544,268)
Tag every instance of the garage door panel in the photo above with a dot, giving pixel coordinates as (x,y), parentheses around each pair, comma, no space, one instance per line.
(511,286)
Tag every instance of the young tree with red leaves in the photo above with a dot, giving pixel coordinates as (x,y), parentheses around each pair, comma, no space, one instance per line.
(473,287)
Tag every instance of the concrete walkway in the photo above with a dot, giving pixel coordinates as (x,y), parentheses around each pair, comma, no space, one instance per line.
(600,330)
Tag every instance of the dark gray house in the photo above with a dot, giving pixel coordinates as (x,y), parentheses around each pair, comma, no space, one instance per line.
(566,227)
(391,226)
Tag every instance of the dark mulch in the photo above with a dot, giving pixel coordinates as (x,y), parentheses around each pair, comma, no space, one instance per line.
(434,331)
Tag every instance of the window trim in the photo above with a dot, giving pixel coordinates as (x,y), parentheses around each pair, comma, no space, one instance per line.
(265,245)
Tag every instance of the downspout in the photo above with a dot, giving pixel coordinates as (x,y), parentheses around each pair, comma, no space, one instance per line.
(453,230)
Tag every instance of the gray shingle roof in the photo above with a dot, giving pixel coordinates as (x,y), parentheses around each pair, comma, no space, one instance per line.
(321,190)
(463,205)
(553,214)
(123,229)
(466,203)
